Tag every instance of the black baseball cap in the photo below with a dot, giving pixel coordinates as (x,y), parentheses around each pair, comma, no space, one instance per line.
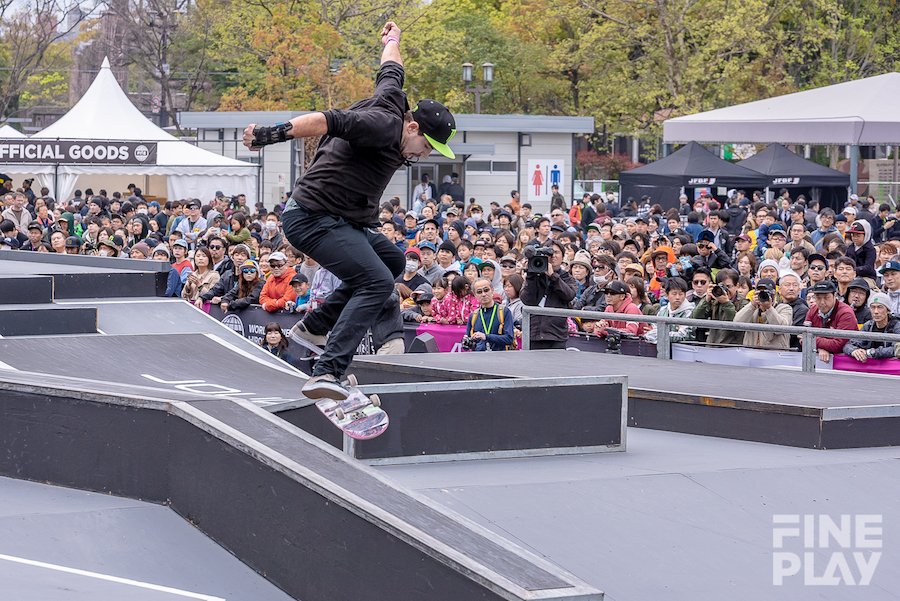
(823,287)
(616,287)
(437,125)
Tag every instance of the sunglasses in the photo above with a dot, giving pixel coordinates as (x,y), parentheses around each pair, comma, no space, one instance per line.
(700,282)
(482,291)
(276,264)
(248,269)
(509,265)
(703,246)
(216,247)
(817,268)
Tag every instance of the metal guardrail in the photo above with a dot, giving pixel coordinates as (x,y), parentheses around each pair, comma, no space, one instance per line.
(663,343)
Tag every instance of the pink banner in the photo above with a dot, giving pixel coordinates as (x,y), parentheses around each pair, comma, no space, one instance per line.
(446,336)
(890,367)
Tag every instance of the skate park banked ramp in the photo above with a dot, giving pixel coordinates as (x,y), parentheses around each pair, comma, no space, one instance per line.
(314,522)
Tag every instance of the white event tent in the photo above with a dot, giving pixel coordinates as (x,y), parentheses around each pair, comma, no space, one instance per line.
(855,113)
(105,113)
(7,131)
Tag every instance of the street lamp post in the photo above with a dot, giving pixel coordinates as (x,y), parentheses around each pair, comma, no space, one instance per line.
(487,76)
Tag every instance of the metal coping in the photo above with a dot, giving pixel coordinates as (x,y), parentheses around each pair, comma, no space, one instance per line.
(112,263)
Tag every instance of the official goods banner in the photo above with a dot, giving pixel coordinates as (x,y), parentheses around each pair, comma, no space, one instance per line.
(77,152)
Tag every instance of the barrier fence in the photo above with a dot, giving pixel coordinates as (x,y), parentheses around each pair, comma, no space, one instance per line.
(663,341)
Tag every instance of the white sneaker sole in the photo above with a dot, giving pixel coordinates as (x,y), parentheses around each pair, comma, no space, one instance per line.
(325,390)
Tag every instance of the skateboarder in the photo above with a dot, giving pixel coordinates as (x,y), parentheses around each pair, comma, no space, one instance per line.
(332,213)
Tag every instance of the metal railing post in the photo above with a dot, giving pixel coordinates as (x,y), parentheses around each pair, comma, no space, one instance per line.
(526,329)
(663,341)
(809,352)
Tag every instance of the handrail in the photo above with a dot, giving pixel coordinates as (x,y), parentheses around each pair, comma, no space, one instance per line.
(807,334)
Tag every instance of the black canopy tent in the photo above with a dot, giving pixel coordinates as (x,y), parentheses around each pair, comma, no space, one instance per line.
(691,166)
(786,169)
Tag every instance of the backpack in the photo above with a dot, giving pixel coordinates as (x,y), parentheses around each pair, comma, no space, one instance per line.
(508,347)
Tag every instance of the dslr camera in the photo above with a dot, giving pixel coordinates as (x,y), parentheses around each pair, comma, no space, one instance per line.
(538,259)
(763,295)
(469,343)
(719,290)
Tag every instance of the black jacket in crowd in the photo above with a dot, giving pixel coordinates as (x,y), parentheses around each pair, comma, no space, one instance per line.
(559,289)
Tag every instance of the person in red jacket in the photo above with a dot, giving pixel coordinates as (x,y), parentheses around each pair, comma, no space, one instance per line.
(278,290)
(826,311)
(619,300)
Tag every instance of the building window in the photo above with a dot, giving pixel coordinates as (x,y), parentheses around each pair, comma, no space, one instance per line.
(490,166)
(482,166)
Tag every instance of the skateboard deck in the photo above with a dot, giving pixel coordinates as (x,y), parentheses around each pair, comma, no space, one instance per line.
(359,416)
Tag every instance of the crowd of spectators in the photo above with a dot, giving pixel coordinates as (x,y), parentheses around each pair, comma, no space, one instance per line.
(781,262)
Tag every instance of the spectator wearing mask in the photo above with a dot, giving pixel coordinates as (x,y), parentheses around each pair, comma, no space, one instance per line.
(618,299)
(862,252)
(272,231)
(246,289)
(410,275)
(555,288)
(277,291)
(827,311)
(593,298)
(765,308)
(883,322)
(490,325)
(677,306)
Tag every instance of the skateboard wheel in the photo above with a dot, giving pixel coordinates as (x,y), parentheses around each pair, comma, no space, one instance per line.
(376,400)
(352,381)
(339,413)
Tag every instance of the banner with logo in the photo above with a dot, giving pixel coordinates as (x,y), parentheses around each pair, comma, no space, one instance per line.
(77,152)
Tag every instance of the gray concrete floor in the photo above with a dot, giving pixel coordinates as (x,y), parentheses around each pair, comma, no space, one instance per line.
(60,544)
(676,516)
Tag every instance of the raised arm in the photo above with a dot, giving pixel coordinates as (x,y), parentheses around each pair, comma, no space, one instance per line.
(390,39)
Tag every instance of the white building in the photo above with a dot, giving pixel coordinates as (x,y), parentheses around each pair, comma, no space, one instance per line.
(495,154)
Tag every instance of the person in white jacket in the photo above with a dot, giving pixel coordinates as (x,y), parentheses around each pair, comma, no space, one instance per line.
(765,307)
(676,293)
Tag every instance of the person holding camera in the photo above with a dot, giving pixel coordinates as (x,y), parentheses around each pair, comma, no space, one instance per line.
(491,326)
(765,307)
(547,287)
(721,303)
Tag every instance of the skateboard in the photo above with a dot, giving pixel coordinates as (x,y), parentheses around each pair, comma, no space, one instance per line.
(358,416)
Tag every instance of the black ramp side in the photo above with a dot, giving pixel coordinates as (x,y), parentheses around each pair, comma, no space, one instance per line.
(25,289)
(363,484)
(46,320)
(313,521)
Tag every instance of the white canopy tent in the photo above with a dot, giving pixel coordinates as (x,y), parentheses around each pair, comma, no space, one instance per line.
(856,113)
(105,113)
(7,131)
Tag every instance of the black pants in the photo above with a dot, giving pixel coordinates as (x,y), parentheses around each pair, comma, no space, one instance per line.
(540,345)
(366,263)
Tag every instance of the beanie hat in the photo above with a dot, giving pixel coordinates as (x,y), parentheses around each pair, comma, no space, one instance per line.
(448,246)
(881,298)
(768,263)
(142,248)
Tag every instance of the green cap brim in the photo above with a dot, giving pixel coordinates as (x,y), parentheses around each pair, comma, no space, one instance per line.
(441,148)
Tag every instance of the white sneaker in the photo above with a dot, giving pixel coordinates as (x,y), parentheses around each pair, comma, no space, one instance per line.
(299,332)
(325,386)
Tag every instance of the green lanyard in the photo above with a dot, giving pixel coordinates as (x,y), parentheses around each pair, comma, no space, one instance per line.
(487,328)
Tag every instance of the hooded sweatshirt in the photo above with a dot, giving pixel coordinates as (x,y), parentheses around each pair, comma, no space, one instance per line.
(864,255)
